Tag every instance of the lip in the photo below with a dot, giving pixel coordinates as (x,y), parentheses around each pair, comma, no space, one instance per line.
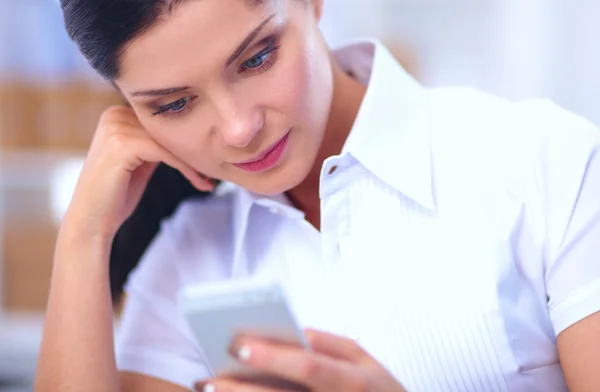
(267,159)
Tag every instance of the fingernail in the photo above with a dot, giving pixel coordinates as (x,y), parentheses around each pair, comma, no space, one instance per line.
(210,388)
(244,353)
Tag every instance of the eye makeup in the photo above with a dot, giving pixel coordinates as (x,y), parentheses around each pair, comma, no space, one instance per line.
(257,64)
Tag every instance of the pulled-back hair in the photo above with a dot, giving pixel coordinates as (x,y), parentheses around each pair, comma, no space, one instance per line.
(102,28)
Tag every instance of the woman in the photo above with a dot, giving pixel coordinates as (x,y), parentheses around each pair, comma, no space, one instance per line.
(433,240)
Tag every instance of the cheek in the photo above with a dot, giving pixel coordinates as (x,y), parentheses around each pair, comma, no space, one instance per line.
(297,88)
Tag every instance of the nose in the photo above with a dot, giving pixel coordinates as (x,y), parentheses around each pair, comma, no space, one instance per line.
(239,122)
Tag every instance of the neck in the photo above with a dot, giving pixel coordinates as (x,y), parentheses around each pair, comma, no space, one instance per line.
(347,97)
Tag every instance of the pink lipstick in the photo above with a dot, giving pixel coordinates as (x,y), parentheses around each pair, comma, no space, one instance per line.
(267,159)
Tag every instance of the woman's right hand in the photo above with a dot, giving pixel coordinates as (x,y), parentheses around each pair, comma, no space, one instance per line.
(119,165)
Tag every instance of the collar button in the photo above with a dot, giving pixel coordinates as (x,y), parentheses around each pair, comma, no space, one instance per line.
(277,210)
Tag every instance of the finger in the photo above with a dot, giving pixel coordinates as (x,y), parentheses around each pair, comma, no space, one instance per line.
(121,114)
(337,347)
(126,127)
(114,123)
(150,151)
(310,369)
(227,385)
(148,169)
(141,149)
(142,174)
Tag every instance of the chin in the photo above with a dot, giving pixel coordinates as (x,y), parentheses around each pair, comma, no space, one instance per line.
(274,186)
(279,181)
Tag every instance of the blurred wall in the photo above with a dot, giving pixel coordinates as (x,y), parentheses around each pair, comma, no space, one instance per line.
(517,49)
(50,100)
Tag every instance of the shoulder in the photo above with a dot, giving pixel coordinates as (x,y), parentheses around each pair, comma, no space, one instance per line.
(191,244)
(207,218)
(202,229)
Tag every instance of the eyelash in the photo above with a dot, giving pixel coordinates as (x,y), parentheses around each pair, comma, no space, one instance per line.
(269,57)
(168,111)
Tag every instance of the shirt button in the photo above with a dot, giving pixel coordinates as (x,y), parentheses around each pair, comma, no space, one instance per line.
(277,210)
(333,169)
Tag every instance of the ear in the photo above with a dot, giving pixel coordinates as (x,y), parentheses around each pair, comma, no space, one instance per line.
(317,6)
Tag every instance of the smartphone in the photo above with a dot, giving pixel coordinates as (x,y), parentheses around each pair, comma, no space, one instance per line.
(219,312)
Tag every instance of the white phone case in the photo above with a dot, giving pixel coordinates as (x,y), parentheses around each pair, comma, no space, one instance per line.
(218,312)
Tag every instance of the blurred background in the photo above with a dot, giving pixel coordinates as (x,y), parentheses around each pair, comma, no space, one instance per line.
(50,102)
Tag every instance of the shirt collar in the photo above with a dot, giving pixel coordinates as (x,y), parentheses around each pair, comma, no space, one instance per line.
(391,135)
(243,201)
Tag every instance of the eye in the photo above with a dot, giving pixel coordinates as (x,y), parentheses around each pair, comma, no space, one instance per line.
(179,105)
(262,61)
(174,108)
(256,61)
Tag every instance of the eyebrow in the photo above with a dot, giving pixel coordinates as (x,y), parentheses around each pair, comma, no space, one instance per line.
(238,52)
(246,42)
(160,92)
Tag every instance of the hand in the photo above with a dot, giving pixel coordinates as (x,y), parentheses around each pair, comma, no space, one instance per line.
(119,165)
(334,364)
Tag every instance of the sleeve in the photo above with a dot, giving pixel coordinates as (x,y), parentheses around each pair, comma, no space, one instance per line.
(153,337)
(569,185)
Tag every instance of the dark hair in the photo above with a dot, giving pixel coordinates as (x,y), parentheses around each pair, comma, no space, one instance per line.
(167,189)
(102,28)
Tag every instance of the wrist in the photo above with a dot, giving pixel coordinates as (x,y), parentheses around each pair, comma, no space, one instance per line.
(75,232)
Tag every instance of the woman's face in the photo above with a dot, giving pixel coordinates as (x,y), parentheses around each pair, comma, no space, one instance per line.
(240,90)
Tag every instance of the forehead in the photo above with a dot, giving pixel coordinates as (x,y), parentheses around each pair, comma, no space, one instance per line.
(196,37)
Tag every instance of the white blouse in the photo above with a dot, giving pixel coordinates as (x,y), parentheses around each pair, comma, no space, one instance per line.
(460,235)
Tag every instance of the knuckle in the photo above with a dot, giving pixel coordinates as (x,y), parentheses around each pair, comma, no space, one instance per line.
(361,385)
(117,114)
(112,129)
(355,350)
(111,113)
(117,141)
(309,369)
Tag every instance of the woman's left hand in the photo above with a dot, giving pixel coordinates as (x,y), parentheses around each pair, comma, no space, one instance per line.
(335,364)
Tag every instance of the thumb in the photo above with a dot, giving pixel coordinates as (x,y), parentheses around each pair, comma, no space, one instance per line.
(337,347)
(142,174)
